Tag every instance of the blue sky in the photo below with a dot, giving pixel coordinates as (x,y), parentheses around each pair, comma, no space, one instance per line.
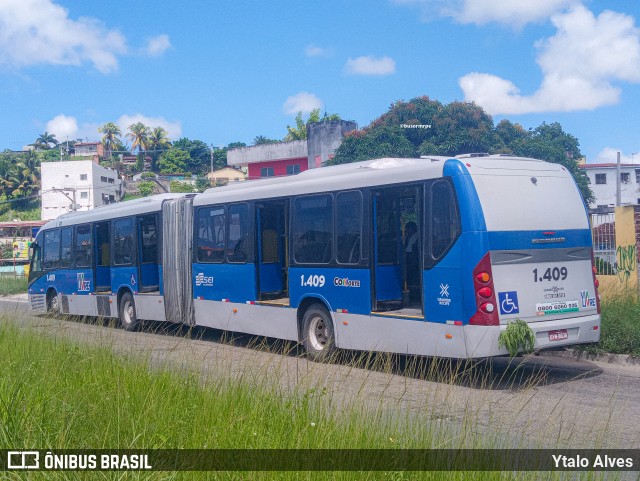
(225,71)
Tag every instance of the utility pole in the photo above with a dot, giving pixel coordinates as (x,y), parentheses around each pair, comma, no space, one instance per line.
(618,189)
(211,157)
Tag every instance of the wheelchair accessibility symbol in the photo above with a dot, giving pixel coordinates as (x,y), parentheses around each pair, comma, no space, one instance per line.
(508,302)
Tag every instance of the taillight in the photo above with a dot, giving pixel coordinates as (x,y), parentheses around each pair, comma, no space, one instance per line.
(596,282)
(486,313)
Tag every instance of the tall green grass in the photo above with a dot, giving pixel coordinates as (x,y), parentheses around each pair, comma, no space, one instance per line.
(620,326)
(55,394)
(12,285)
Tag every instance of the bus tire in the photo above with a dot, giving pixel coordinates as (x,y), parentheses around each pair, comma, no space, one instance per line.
(318,336)
(53,303)
(127,312)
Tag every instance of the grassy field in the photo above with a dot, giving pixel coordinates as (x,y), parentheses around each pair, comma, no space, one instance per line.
(12,285)
(55,394)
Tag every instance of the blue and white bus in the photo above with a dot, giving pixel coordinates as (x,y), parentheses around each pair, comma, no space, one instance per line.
(430,256)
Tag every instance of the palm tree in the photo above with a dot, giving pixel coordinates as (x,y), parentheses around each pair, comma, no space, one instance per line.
(158,141)
(45,140)
(139,135)
(110,138)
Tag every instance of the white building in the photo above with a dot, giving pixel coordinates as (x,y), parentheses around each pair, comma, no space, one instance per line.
(603,184)
(84,181)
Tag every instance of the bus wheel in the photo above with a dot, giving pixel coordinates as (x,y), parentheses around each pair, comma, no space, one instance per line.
(127,312)
(53,303)
(317,330)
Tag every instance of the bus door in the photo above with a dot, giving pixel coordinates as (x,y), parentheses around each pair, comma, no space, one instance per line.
(387,247)
(102,255)
(148,253)
(397,248)
(272,249)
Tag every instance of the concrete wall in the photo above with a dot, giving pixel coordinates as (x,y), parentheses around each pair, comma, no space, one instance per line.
(625,281)
(267,152)
(605,194)
(323,138)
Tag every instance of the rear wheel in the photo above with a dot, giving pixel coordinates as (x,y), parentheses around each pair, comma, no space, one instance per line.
(317,333)
(127,312)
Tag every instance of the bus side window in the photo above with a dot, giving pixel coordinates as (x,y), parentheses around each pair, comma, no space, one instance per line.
(82,247)
(51,255)
(123,242)
(211,234)
(65,248)
(313,229)
(348,227)
(238,232)
(445,226)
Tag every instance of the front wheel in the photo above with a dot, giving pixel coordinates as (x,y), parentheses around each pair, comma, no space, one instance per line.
(127,312)
(53,303)
(317,333)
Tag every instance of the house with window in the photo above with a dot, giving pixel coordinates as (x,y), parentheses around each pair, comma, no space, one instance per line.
(603,178)
(289,158)
(226,175)
(82,182)
(92,150)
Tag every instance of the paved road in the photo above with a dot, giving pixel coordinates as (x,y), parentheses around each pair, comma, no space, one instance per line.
(542,401)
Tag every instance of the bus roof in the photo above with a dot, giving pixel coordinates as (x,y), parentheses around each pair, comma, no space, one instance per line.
(339,177)
(384,171)
(112,211)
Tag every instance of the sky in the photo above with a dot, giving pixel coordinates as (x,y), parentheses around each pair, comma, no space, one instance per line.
(223,71)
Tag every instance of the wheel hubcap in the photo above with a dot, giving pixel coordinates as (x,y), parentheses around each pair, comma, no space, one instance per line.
(128,313)
(318,333)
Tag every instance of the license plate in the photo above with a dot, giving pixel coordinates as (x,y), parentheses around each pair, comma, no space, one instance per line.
(558,335)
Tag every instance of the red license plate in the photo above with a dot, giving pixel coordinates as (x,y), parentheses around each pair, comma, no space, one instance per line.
(558,335)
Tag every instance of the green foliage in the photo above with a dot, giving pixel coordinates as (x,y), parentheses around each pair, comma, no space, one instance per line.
(147,175)
(299,131)
(177,186)
(454,129)
(202,184)
(111,138)
(518,336)
(174,161)
(619,329)
(261,140)
(603,267)
(146,188)
(199,155)
(45,141)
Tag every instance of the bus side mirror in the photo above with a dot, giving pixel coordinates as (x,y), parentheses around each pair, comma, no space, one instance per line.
(32,249)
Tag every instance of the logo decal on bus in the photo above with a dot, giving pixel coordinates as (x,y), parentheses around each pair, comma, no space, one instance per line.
(444,300)
(51,277)
(508,302)
(346,282)
(587,302)
(202,280)
(83,286)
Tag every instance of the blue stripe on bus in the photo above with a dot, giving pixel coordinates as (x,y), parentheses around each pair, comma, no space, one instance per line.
(471,216)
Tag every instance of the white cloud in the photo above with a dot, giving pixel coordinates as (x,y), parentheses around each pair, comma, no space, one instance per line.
(480,12)
(581,65)
(156,46)
(174,129)
(370,65)
(303,102)
(312,50)
(63,127)
(36,32)
(610,155)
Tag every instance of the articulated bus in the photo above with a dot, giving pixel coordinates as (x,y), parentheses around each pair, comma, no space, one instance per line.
(431,256)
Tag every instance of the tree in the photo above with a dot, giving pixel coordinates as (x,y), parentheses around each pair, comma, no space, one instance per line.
(110,138)
(299,132)
(174,161)
(199,154)
(139,136)
(261,140)
(380,142)
(45,141)
(158,142)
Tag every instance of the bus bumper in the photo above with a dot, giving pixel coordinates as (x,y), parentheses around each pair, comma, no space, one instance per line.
(482,341)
